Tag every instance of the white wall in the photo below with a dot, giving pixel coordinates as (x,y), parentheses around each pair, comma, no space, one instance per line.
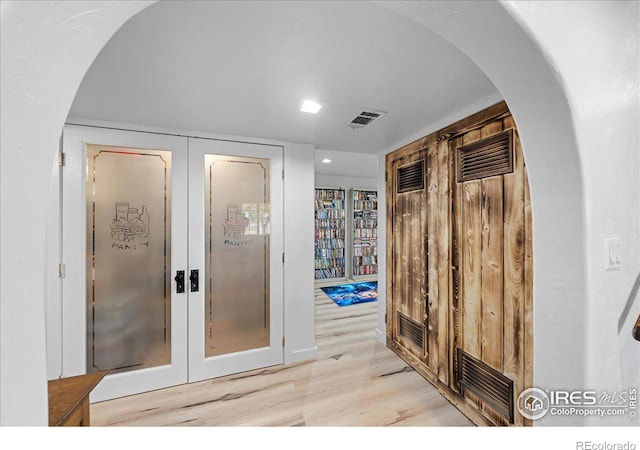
(346,183)
(46,49)
(300,326)
(599,63)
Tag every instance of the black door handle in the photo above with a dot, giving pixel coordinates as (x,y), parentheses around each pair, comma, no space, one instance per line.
(194,278)
(179,282)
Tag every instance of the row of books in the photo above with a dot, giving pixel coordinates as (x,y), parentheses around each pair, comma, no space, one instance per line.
(365,242)
(329,243)
(365,251)
(364,260)
(365,214)
(329,233)
(365,270)
(329,223)
(322,263)
(337,194)
(336,214)
(329,204)
(365,204)
(337,272)
(365,223)
(365,233)
(329,253)
(365,195)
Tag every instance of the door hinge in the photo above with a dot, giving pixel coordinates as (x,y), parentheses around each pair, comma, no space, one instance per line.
(61,158)
(283,174)
(282,257)
(62,270)
(282,341)
(385,317)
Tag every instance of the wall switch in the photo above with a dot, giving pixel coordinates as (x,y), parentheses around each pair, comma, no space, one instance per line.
(612,251)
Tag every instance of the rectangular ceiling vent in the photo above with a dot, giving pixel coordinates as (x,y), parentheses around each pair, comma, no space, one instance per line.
(364,118)
(486,158)
(411,177)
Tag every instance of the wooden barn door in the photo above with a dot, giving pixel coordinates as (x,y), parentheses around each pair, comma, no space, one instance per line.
(413,313)
(491,251)
(408,313)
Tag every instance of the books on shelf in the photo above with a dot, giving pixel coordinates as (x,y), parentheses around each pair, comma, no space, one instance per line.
(330,233)
(364,232)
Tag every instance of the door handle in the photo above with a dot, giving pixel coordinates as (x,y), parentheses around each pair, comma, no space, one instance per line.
(179,281)
(194,279)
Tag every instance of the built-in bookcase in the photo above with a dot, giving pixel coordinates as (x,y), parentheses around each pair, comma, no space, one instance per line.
(364,229)
(330,233)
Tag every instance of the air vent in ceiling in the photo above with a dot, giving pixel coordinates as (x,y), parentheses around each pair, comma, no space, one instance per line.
(411,330)
(364,118)
(489,385)
(411,177)
(486,158)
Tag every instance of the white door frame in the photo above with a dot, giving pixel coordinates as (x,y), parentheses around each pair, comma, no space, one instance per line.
(201,368)
(75,139)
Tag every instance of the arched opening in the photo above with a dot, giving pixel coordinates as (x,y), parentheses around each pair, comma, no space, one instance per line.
(514,65)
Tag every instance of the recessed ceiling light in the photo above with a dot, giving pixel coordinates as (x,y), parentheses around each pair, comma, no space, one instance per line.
(310,106)
(326,160)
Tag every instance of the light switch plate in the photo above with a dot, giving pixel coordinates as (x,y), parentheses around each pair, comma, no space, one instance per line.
(612,253)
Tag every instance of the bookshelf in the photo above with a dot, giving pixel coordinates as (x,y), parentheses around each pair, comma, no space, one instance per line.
(364,207)
(330,233)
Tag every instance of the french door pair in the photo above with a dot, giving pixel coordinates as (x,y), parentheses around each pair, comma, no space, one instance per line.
(173,261)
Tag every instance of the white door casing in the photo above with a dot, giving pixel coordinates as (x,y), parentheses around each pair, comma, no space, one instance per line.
(75,142)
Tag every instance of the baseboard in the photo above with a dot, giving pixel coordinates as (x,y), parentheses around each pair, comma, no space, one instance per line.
(301,355)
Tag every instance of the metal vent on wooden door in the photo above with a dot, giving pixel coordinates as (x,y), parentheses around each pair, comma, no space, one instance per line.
(411,177)
(411,330)
(486,158)
(489,385)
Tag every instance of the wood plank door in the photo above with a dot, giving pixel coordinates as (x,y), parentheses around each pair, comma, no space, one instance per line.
(407,314)
(491,227)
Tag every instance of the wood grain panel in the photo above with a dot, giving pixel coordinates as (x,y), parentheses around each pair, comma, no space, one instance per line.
(491,269)
(443,260)
(492,262)
(470,261)
(432,307)
(514,281)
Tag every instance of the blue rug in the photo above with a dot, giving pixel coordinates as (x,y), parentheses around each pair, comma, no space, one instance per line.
(349,294)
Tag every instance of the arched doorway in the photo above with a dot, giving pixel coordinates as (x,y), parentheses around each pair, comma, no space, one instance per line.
(514,65)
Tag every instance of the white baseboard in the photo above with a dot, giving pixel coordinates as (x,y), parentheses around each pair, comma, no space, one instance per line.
(380,336)
(301,355)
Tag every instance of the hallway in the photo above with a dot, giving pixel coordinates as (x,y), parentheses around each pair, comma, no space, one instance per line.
(356,381)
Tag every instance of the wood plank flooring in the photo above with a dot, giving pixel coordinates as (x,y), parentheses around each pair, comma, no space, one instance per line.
(356,381)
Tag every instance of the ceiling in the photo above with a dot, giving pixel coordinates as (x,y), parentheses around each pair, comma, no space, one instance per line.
(243,68)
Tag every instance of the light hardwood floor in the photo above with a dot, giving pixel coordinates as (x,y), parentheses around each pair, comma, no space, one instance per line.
(356,381)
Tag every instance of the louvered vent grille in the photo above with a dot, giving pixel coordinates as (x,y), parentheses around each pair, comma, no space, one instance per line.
(411,330)
(492,387)
(363,118)
(486,158)
(411,178)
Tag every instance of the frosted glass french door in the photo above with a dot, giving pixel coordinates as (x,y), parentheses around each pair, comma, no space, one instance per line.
(235,244)
(124,238)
